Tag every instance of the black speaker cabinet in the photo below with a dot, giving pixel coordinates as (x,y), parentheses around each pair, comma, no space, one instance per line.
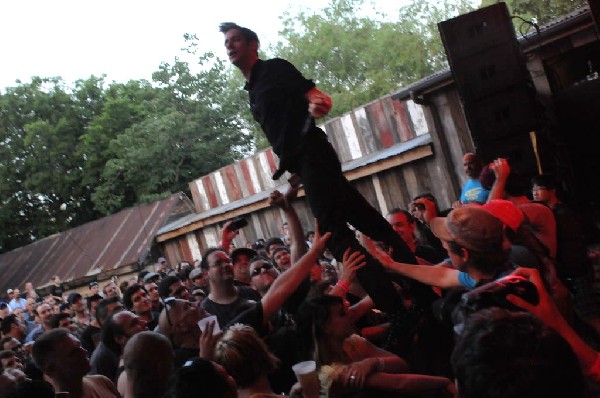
(490,74)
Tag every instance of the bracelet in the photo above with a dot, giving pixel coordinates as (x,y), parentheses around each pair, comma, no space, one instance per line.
(343,286)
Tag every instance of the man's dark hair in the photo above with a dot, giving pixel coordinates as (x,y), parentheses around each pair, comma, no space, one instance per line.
(184,274)
(56,318)
(46,345)
(199,374)
(274,241)
(248,34)
(128,293)
(142,274)
(7,354)
(165,284)
(397,210)
(92,299)
(503,354)
(7,323)
(428,195)
(209,251)
(545,180)
(102,308)
(5,340)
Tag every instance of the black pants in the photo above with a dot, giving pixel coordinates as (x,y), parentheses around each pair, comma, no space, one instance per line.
(335,202)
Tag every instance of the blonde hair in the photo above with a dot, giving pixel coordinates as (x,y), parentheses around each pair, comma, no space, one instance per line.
(244,355)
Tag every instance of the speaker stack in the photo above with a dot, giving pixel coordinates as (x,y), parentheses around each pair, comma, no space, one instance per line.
(494,85)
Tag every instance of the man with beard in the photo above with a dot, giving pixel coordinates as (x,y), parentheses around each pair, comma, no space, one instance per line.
(225,300)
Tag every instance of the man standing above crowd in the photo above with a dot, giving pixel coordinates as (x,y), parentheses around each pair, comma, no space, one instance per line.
(285,104)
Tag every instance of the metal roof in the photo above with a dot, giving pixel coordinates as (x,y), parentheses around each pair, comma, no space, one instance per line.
(107,244)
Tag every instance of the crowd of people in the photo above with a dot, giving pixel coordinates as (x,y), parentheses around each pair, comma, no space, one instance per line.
(235,322)
(490,298)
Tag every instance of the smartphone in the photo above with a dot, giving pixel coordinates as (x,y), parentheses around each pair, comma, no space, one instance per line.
(238,223)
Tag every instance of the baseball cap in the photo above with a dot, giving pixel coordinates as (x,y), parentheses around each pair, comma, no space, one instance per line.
(472,227)
(195,273)
(241,251)
(505,211)
(92,284)
(72,297)
(162,260)
(151,276)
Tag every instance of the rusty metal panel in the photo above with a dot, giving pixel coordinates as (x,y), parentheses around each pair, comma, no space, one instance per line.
(381,125)
(250,176)
(242,185)
(350,136)
(335,132)
(368,135)
(210,192)
(219,184)
(119,240)
(403,125)
(417,117)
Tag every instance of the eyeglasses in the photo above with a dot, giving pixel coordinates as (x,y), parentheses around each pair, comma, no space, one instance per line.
(168,302)
(258,270)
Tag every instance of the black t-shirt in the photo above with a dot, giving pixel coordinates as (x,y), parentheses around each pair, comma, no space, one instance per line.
(277,89)
(247,298)
(90,337)
(57,290)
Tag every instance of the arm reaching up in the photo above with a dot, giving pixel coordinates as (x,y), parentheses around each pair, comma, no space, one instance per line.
(287,282)
(547,311)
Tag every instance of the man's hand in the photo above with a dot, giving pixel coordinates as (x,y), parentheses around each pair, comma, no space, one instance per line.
(319,103)
(276,198)
(208,341)
(351,262)
(501,168)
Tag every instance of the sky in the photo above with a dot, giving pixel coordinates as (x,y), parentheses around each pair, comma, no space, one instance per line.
(125,39)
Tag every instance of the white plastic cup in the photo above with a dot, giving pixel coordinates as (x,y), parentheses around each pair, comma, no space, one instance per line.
(202,323)
(306,373)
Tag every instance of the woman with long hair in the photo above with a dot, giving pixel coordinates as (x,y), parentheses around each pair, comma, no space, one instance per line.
(349,364)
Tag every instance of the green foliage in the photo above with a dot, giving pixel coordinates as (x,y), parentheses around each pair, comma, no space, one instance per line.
(357,59)
(76,154)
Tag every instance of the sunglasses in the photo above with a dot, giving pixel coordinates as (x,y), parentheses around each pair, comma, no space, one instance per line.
(258,270)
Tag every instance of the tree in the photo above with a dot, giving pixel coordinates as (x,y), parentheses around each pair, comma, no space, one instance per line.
(41,124)
(191,129)
(358,59)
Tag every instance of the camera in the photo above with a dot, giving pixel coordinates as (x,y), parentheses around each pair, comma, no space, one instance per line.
(238,223)
(493,294)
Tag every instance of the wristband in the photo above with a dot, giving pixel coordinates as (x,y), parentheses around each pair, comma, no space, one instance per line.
(343,286)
